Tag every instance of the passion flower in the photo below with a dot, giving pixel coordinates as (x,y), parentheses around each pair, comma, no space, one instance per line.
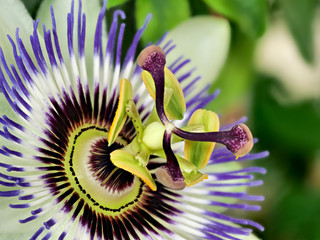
(110,156)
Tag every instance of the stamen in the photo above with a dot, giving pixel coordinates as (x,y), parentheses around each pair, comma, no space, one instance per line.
(133,113)
(153,60)
(238,140)
(170,174)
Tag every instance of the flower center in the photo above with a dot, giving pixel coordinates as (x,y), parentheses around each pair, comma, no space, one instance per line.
(91,173)
(112,178)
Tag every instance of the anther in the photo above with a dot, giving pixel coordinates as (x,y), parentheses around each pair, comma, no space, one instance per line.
(170,174)
(245,139)
(153,60)
(238,140)
(166,177)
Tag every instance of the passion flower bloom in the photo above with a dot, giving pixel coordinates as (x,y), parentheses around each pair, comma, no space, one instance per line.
(125,154)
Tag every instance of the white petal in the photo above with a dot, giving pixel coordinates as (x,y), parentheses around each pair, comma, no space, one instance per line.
(205,40)
(11,229)
(13,14)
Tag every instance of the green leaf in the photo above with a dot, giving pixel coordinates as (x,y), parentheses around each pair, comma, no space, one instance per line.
(299,16)
(290,128)
(114,3)
(250,15)
(165,15)
(295,212)
(199,8)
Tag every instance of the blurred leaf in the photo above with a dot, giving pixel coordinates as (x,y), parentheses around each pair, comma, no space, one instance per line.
(237,74)
(292,128)
(114,3)
(250,15)
(296,216)
(299,16)
(198,8)
(165,15)
(32,6)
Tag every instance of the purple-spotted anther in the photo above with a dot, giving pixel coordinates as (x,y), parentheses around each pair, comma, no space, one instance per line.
(127,153)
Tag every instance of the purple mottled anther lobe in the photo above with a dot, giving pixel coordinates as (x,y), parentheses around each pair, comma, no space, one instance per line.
(238,138)
(170,177)
(152,59)
(155,65)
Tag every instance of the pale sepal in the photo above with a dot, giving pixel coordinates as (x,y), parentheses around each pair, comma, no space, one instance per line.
(13,15)
(205,40)
(11,229)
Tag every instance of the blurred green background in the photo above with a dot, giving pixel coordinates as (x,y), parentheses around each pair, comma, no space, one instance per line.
(272,75)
